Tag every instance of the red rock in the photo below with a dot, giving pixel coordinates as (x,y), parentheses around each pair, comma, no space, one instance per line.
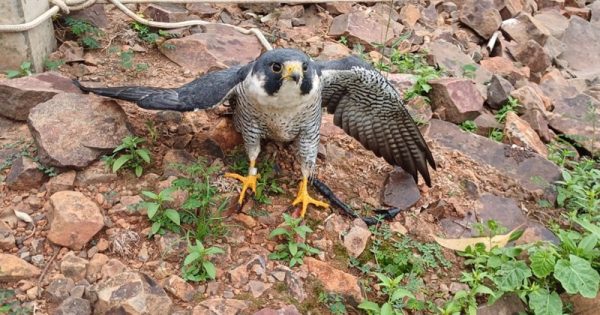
(504,67)
(556,4)
(529,99)
(538,122)
(179,288)
(286,310)
(336,8)
(455,99)
(486,122)
(166,12)
(60,182)
(585,306)
(532,55)
(409,15)
(498,92)
(290,12)
(522,166)
(224,134)
(94,14)
(524,27)
(25,174)
(520,133)
(582,42)
(74,267)
(74,219)
(218,48)
(555,86)
(555,22)
(400,190)
(355,241)
(571,116)
(334,280)
(19,96)
(202,10)
(595,8)
(511,8)
(72,130)
(363,28)
(135,292)
(575,3)
(453,60)
(419,109)
(13,269)
(333,51)
(70,51)
(584,13)
(481,16)
(220,306)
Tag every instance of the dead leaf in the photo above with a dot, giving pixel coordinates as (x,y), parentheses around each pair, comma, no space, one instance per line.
(460,244)
(23,216)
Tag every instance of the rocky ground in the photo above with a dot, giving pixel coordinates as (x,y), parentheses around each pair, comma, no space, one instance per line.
(72,240)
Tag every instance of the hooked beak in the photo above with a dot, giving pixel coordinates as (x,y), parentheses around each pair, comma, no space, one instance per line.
(292,72)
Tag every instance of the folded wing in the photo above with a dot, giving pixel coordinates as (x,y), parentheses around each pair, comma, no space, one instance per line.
(369,109)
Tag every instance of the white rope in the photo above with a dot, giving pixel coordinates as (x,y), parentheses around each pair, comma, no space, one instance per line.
(31,24)
(139,19)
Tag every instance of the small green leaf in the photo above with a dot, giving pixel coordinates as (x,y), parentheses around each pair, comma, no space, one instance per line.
(369,306)
(577,276)
(386,309)
(544,303)
(144,154)
(542,263)
(138,171)
(401,293)
(592,228)
(11,74)
(587,245)
(155,227)
(213,251)
(210,269)
(278,231)
(150,194)
(190,258)
(293,247)
(173,216)
(152,209)
(120,162)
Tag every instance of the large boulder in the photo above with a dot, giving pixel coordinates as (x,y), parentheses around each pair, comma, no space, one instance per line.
(72,130)
(577,117)
(19,96)
(219,47)
(456,99)
(582,43)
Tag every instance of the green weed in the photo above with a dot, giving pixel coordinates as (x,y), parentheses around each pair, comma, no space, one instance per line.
(130,155)
(24,71)
(161,217)
(496,135)
(199,207)
(510,106)
(292,250)
(196,266)
(10,305)
(267,184)
(415,64)
(87,34)
(468,126)
(334,302)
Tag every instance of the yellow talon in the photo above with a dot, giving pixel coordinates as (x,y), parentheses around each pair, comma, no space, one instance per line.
(247,181)
(306,199)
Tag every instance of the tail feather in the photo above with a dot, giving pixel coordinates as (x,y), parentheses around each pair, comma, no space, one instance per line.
(145,97)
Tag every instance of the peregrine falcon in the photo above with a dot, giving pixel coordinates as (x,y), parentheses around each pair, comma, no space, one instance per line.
(280,96)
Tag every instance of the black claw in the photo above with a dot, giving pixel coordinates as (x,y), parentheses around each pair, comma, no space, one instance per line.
(382,214)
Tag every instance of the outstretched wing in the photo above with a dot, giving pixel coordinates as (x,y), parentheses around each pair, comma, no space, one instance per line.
(369,109)
(204,92)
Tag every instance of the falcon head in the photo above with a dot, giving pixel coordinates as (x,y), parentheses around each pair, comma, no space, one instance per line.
(285,69)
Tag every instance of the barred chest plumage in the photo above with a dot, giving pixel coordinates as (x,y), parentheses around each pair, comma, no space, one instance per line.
(281,116)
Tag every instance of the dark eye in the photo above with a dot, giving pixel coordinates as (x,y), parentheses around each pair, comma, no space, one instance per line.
(276,67)
(304,67)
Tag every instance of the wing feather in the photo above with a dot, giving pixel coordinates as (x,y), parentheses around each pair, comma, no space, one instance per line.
(367,107)
(204,92)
